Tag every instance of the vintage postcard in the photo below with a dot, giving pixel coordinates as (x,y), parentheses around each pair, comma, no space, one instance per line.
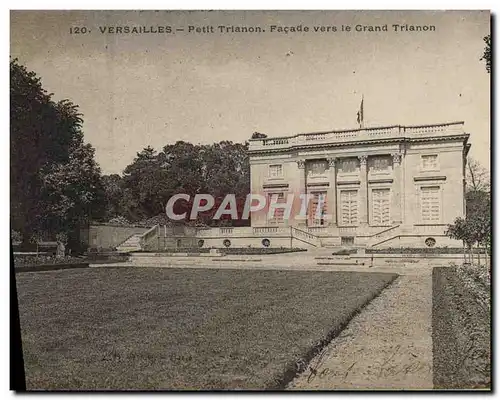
(250,200)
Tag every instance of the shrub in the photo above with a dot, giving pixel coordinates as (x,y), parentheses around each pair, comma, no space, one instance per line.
(344,252)
(62,237)
(25,260)
(16,236)
(422,250)
(122,221)
(259,250)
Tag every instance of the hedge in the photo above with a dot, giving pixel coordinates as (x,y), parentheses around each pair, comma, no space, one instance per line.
(461,329)
(422,250)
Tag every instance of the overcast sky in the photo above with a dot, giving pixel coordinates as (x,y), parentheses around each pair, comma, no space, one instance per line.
(154,89)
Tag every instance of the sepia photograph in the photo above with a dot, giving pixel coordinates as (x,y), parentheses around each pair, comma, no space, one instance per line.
(250,200)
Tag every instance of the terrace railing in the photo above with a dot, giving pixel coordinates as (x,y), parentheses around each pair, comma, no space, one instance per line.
(356,135)
(149,237)
(306,237)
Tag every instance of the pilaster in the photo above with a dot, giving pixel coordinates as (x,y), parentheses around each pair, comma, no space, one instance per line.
(363,190)
(332,192)
(301,190)
(396,205)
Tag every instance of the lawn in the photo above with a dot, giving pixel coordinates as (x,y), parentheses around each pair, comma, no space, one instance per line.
(155,328)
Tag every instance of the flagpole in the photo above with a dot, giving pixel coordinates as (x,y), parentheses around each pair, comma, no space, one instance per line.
(361,112)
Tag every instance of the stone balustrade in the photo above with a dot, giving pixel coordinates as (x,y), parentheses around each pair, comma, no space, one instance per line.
(244,231)
(354,135)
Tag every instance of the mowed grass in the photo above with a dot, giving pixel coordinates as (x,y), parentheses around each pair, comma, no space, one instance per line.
(155,328)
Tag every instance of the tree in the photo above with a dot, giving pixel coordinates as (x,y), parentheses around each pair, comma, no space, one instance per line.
(114,189)
(32,117)
(153,178)
(226,169)
(143,181)
(487,53)
(55,181)
(477,178)
(461,230)
(73,191)
(475,228)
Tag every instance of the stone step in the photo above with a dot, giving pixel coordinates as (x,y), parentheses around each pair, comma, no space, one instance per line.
(128,248)
(341,263)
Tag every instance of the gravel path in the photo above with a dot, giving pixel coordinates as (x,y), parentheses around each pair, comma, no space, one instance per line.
(387,346)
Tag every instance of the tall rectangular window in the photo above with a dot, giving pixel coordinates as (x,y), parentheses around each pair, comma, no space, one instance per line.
(349,207)
(381,207)
(276,171)
(317,201)
(430,162)
(430,204)
(278,215)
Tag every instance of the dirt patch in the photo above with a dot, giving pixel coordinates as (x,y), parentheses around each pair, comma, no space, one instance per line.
(387,346)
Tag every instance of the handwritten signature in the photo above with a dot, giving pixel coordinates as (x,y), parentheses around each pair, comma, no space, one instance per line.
(387,366)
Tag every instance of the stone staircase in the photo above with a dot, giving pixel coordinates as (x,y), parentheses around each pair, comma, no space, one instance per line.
(133,243)
(384,236)
(305,237)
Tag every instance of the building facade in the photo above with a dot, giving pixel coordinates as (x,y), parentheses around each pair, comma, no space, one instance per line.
(384,186)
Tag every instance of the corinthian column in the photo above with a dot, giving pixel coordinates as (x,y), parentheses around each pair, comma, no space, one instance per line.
(301,190)
(396,210)
(363,191)
(332,192)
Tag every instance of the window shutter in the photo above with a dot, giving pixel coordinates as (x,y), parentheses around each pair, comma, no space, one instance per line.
(381,207)
(349,207)
(430,204)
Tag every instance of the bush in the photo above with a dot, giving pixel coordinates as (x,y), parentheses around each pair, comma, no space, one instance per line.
(230,250)
(461,328)
(107,257)
(422,250)
(178,250)
(16,236)
(26,260)
(344,252)
(259,250)
(122,221)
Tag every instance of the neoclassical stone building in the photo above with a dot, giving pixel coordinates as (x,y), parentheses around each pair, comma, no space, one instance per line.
(395,186)
(384,186)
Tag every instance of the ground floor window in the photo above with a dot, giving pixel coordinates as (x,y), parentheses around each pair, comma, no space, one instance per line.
(430,204)
(277,217)
(349,207)
(317,202)
(381,207)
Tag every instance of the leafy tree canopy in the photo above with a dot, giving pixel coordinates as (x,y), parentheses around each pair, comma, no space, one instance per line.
(55,181)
